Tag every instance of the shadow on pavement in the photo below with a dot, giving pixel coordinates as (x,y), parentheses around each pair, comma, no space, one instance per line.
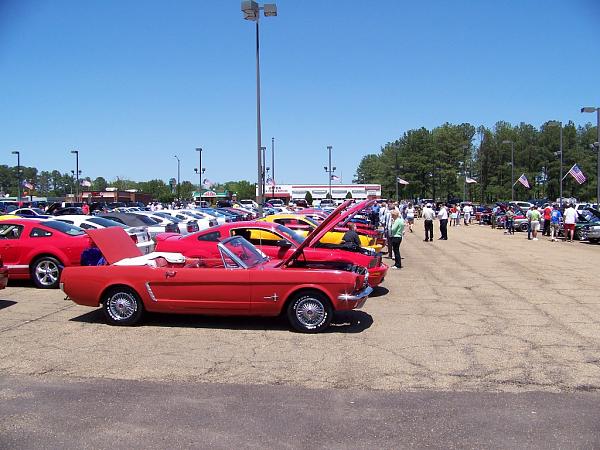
(21,283)
(379,291)
(343,322)
(6,303)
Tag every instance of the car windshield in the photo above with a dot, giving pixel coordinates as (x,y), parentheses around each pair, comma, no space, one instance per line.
(63,227)
(147,220)
(213,212)
(244,251)
(290,234)
(106,223)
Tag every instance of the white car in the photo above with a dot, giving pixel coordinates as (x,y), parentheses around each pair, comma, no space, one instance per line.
(164,218)
(140,235)
(187,215)
(523,205)
(249,203)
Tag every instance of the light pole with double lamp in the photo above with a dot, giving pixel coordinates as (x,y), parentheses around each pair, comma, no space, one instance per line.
(590,109)
(329,170)
(200,171)
(559,124)
(251,10)
(178,174)
(18,174)
(512,167)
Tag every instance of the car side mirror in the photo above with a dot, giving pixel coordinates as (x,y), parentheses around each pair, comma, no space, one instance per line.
(283,243)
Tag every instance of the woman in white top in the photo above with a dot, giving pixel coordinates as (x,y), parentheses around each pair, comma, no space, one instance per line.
(410,216)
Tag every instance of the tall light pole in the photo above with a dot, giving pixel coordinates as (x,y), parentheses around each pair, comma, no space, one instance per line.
(272,167)
(329,170)
(18,174)
(200,171)
(263,164)
(397,175)
(76,153)
(512,167)
(178,175)
(590,109)
(251,10)
(559,124)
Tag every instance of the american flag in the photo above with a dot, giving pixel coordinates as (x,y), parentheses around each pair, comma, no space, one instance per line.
(401,181)
(270,181)
(523,180)
(27,184)
(470,180)
(335,178)
(576,173)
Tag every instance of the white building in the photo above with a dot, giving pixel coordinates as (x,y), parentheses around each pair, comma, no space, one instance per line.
(288,192)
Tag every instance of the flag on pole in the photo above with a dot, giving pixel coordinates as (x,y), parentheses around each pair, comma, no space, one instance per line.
(470,180)
(401,181)
(207,183)
(270,181)
(523,180)
(86,183)
(27,184)
(576,173)
(335,178)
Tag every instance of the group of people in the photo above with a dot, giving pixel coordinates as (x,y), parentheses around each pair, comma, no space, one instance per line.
(551,217)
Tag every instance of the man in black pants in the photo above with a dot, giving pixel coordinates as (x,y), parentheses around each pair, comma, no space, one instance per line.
(443,215)
(428,215)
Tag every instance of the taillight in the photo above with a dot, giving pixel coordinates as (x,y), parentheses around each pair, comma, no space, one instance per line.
(134,238)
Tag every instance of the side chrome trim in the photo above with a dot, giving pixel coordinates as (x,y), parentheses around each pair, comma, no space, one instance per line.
(16,266)
(150,293)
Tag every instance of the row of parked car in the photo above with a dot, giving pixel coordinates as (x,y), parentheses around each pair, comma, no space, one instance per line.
(292,263)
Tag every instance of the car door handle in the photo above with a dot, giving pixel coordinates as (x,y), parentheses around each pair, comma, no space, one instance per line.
(170,273)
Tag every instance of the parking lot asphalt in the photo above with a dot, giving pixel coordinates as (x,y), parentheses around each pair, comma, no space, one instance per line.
(480,318)
(480,312)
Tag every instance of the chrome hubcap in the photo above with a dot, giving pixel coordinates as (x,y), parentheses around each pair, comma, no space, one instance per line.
(122,306)
(310,312)
(47,273)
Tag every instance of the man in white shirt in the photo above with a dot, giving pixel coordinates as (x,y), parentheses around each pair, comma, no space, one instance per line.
(428,216)
(443,216)
(570,219)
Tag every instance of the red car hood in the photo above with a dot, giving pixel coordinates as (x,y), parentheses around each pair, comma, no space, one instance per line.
(327,225)
(114,243)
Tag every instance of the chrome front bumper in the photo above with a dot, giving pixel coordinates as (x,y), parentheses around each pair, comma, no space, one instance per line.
(360,297)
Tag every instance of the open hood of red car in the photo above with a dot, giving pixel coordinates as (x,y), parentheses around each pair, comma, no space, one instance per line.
(114,243)
(329,223)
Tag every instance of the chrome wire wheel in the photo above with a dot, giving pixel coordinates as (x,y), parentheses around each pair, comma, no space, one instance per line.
(47,272)
(310,312)
(122,306)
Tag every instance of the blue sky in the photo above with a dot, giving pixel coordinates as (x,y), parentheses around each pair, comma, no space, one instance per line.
(132,83)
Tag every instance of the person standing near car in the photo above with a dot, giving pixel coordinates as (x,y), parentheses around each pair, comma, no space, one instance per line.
(351,240)
(547,219)
(387,227)
(85,208)
(443,216)
(535,217)
(410,216)
(555,217)
(570,220)
(510,220)
(428,216)
(396,233)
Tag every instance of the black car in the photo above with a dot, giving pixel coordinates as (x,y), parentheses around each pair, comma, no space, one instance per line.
(140,220)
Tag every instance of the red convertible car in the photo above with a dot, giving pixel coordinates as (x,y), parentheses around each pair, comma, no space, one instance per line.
(39,249)
(277,242)
(242,281)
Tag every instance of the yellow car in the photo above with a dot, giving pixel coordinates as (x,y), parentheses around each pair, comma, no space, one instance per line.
(304,225)
(9,217)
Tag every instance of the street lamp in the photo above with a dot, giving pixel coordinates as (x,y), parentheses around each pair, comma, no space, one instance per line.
(18,174)
(76,153)
(178,174)
(200,171)
(251,10)
(512,167)
(272,168)
(559,124)
(590,109)
(329,170)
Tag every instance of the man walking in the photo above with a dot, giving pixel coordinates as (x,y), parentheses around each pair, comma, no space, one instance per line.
(443,216)
(428,216)
(535,222)
(396,234)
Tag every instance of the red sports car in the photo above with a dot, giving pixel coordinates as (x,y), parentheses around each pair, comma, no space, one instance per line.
(39,249)
(241,281)
(277,242)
